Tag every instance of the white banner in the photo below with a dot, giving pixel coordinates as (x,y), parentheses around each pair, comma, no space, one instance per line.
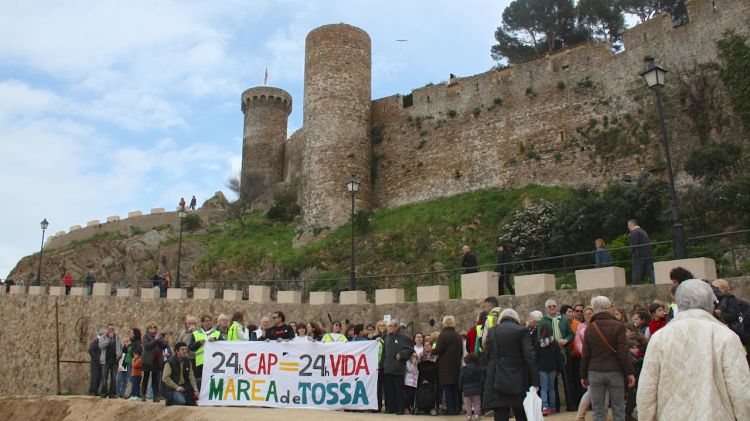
(290,374)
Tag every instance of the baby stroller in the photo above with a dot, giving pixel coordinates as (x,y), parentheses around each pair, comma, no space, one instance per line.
(427,398)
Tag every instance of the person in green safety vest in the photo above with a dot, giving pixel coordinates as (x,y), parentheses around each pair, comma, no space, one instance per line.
(335,334)
(491,307)
(207,333)
(237,330)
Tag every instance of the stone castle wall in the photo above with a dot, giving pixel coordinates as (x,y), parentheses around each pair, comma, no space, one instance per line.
(531,123)
(336,123)
(266,111)
(29,347)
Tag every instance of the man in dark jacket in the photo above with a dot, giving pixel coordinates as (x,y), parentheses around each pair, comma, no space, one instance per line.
(564,336)
(504,268)
(605,360)
(641,253)
(95,367)
(469,262)
(397,350)
(449,351)
(178,379)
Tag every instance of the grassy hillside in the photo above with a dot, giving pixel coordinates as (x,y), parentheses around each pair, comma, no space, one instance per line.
(413,238)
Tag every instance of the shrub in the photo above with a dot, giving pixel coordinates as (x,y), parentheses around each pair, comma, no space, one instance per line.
(191,222)
(497,101)
(452,113)
(561,85)
(476,111)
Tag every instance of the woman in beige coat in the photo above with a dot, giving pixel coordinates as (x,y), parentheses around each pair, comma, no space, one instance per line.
(695,367)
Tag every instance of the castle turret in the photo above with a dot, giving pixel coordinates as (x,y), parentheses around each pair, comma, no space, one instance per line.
(336,124)
(266,112)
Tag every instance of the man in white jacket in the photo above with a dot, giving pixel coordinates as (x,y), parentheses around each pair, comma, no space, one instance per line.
(695,367)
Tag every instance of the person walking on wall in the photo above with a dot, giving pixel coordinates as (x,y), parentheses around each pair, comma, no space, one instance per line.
(193,202)
(504,268)
(469,261)
(68,282)
(182,203)
(602,258)
(90,283)
(641,252)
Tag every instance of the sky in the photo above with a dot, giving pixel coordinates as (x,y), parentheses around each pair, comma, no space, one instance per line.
(108,106)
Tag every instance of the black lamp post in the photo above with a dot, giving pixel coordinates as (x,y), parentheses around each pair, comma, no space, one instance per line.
(44,224)
(654,76)
(182,215)
(352,185)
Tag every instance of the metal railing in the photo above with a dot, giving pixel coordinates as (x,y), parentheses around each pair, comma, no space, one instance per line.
(730,253)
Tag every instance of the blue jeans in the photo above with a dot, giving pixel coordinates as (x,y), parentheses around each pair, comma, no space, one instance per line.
(547,384)
(135,386)
(123,378)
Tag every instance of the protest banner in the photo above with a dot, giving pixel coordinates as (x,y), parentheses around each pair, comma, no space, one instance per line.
(290,374)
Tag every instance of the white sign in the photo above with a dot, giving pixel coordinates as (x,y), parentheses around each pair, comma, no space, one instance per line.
(290,374)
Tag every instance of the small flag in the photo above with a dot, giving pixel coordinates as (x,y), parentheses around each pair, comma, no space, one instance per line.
(265,78)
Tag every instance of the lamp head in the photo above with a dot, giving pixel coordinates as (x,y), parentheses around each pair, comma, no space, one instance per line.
(653,74)
(44,224)
(352,185)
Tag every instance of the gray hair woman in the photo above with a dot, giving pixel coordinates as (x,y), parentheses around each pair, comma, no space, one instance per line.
(606,361)
(695,368)
(511,367)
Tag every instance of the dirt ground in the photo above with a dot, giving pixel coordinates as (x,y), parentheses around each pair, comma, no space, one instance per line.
(85,408)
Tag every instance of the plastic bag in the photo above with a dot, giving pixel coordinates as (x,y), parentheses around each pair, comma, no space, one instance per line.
(532,405)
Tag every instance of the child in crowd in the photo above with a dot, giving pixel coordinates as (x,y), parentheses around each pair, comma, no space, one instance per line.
(547,361)
(411,379)
(640,322)
(470,383)
(658,318)
(136,372)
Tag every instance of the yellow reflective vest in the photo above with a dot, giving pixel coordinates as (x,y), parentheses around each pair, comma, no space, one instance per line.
(199,335)
(328,338)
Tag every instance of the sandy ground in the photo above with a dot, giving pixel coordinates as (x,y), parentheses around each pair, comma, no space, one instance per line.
(82,408)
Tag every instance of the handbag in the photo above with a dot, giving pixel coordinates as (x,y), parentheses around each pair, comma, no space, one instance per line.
(507,373)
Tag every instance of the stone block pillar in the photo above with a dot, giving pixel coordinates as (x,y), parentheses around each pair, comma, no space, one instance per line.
(17,290)
(318,298)
(150,293)
(125,292)
(102,289)
(610,277)
(176,294)
(534,284)
(259,294)
(36,290)
(700,267)
(54,291)
(352,298)
(204,294)
(289,297)
(389,296)
(433,294)
(78,291)
(232,295)
(479,285)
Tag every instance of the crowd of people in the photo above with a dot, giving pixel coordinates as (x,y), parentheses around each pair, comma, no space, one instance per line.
(599,356)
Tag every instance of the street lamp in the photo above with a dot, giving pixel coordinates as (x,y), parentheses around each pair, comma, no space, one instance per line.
(352,185)
(44,224)
(182,215)
(654,76)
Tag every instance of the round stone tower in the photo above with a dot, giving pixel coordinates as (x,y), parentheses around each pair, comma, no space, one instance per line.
(266,111)
(336,124)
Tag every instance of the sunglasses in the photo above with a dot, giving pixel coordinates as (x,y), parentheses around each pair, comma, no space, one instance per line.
(579,311)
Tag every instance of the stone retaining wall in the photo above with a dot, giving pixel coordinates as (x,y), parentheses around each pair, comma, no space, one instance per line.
(28,345)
